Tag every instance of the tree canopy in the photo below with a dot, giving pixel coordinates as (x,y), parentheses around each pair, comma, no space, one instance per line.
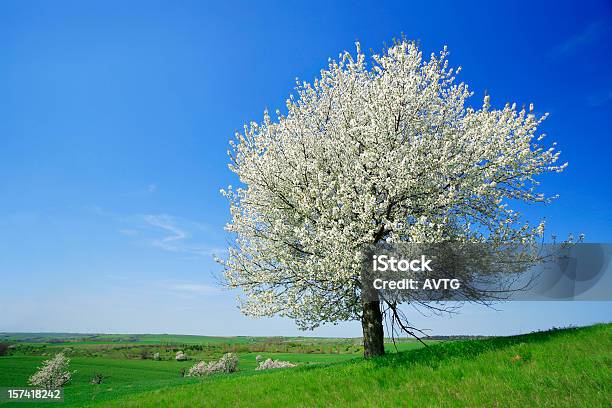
(380,149)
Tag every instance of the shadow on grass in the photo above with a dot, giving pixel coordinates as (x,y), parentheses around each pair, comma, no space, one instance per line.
(468,349)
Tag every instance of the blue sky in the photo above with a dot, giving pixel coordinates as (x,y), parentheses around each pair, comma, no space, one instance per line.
(115,119)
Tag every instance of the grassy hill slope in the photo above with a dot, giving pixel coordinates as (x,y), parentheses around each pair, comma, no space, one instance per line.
(570,367)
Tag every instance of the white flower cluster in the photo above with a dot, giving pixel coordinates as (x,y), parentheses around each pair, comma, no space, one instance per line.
(180,356)
(387,151)
(156,356)
(270,364)
(53,373)
(226,364)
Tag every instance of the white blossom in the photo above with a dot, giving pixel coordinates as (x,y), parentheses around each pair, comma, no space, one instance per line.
(226,364)
(388,150)
(53,373)
(271,364)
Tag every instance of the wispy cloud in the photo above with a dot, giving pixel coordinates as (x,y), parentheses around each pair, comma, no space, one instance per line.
(142,191)
(191,239)
(190,287)
(589,34)
(177,235)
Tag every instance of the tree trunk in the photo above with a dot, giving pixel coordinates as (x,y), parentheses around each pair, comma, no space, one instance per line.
(373,334)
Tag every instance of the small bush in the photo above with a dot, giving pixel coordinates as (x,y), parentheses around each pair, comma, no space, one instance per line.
(53,373)
(156,357)
(270,364)
(97,378)
(180,356)
(226,364)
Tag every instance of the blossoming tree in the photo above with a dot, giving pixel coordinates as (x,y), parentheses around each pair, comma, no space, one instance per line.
(53,373)
(384,149)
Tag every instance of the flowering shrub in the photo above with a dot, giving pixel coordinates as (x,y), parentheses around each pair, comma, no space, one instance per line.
(156,356)
(258,358)
(180,356)
(53,373)
(269,364)
(226,364)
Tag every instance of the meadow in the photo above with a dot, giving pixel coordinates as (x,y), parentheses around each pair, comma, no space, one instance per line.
(127,366)
(568,367)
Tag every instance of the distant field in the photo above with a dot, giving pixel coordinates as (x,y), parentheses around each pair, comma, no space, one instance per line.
(78,338)
(571,367)
(127,365)
(145,345)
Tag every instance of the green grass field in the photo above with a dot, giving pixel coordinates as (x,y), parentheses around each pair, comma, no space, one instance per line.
(126,360)
(571,367)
